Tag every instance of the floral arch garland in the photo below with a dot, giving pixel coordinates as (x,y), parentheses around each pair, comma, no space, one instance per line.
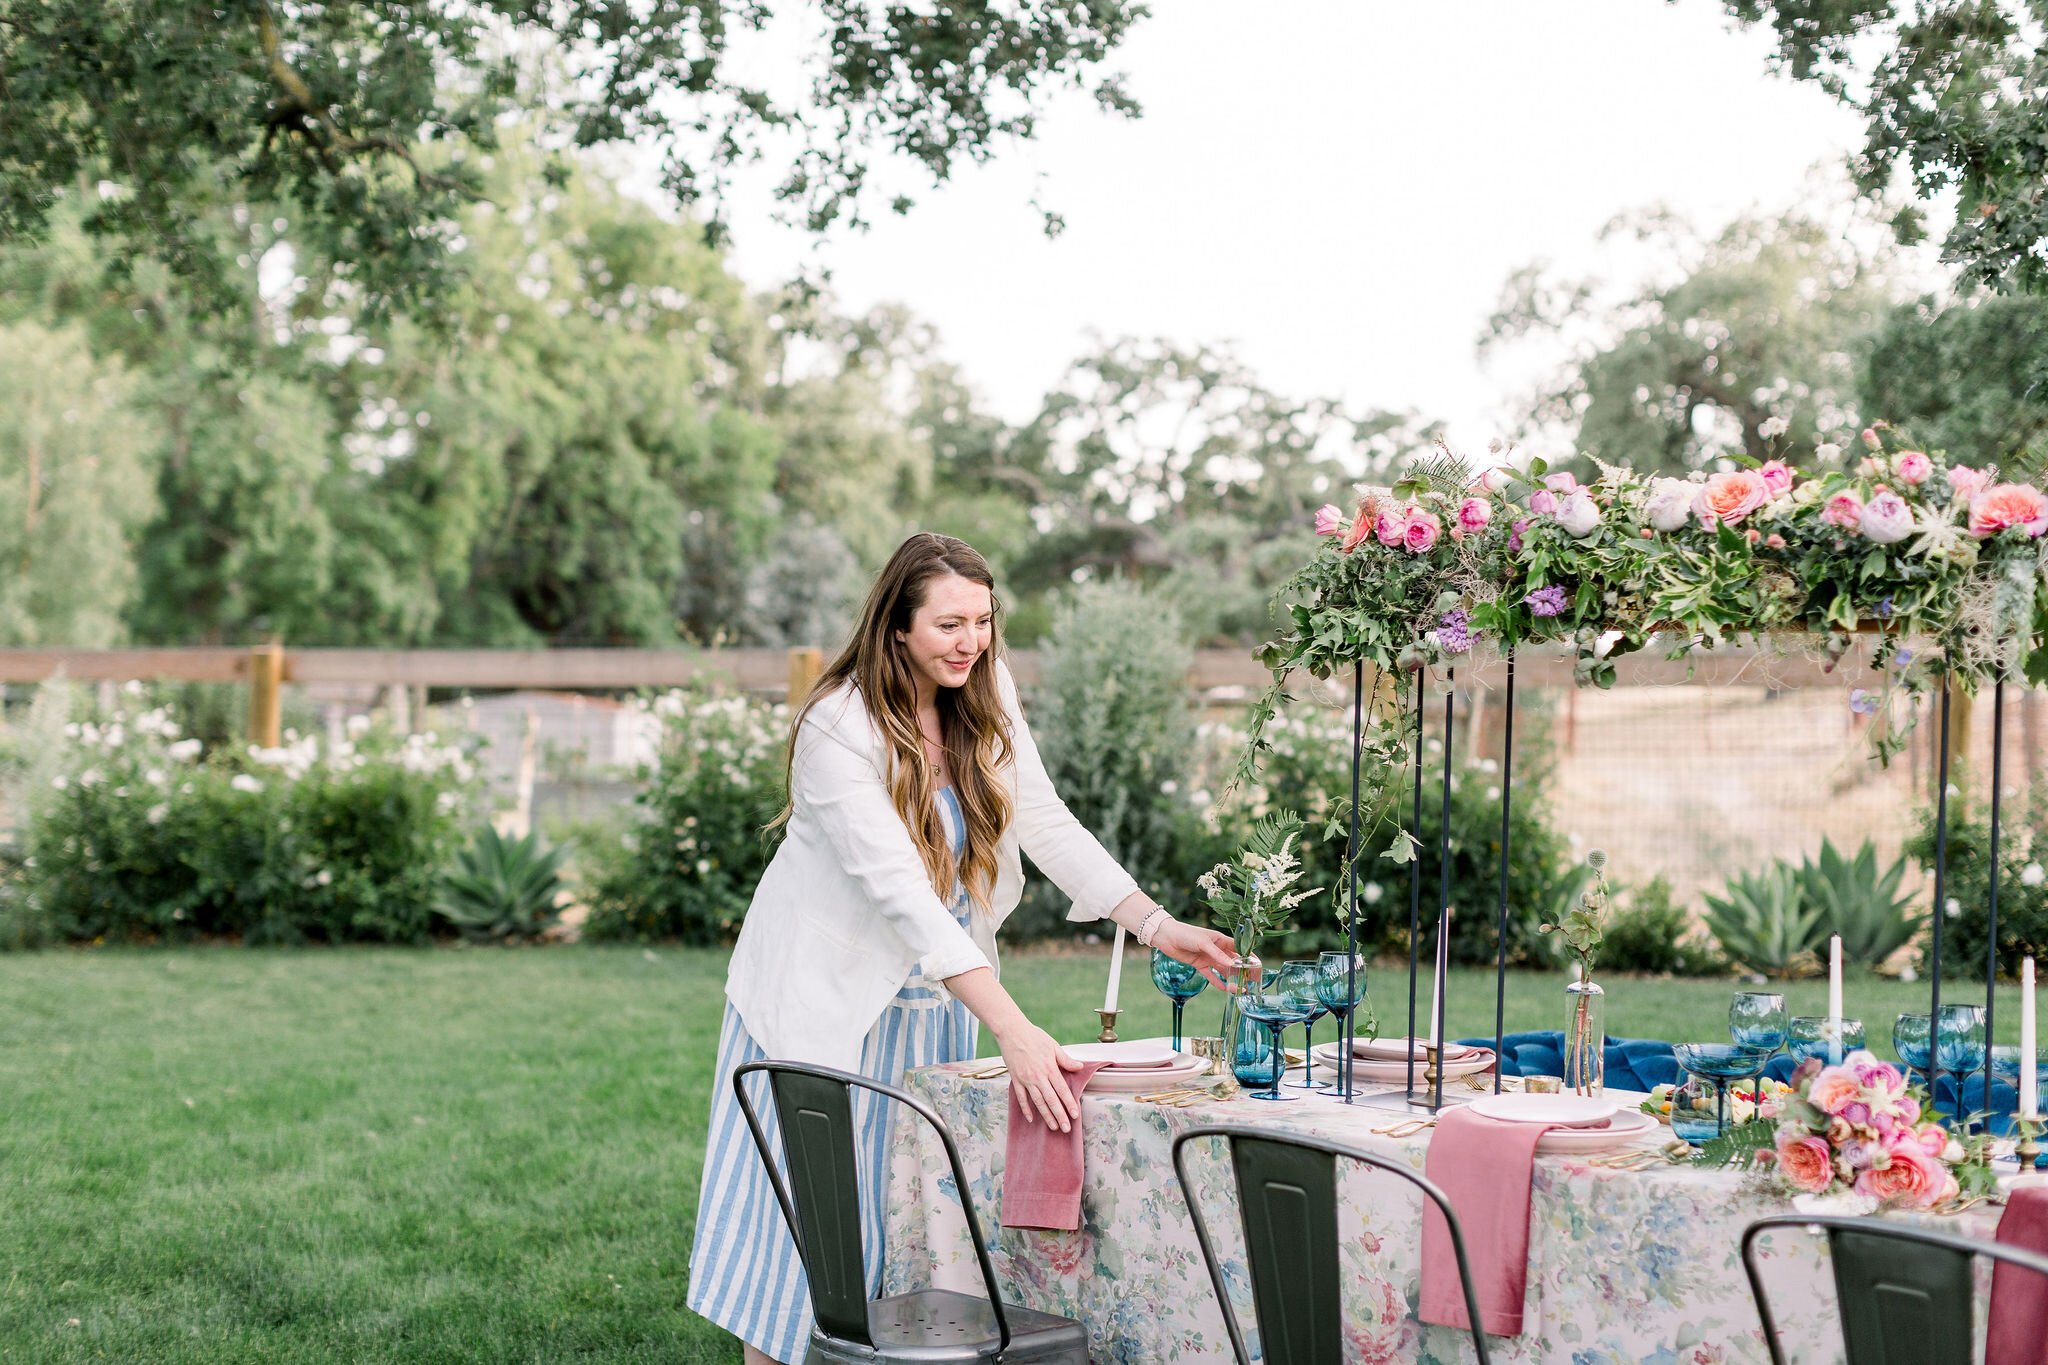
(1902,544)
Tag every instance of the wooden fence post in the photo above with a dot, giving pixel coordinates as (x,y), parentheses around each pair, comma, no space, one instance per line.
(266,678)
(805,664)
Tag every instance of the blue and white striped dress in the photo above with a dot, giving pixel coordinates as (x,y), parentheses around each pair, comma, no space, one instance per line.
(744,1271)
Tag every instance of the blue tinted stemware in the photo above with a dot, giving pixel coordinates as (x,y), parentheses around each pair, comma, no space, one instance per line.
(1340,987)
(1273,1005)
(1298,979)
(1178,982)
(1961,1046)
(1910,1035)
(1757,1019)
(1722,1063)
(1816,1035)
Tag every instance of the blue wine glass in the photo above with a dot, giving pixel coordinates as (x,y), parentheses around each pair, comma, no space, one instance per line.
(1298,979)
(1178,982)
(1960,1045)
(1340,988)
(1275,1006)
(1721,1063)
(1757,1019)
(1910,1035)
(1816,1035)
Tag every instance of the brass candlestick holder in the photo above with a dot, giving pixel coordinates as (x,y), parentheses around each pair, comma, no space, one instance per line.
(1108,1017)
(2028,1150)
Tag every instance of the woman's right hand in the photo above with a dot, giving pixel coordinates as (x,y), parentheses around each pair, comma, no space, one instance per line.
(1037,1074)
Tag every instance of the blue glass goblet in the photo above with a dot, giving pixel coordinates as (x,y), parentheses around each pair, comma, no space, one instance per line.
(1275,1006)
(1695,1113)
(1960,1048)
(1298,979)
(1340,989)
(1910,1036)
(1721,1063)
(1757,1019)
(1816,1035)
(1178,982)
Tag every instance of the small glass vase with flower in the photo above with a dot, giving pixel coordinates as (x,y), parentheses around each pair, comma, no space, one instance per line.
(1249,896)
(1585,1032)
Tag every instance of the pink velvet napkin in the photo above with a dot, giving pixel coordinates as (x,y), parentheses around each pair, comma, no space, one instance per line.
(1042,1165)
(1483,1166)
(2019,1297)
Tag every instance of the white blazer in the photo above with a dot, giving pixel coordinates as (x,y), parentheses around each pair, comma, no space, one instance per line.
(845,909)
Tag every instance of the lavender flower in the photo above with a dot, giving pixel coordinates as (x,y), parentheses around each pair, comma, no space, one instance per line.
(1861,702)
(1454,632)
(1902,658)
(1548,601)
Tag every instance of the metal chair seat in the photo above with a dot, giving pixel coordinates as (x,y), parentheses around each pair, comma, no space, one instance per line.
(940,1327)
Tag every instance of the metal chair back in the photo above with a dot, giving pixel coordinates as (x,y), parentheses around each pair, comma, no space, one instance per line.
(821,1202)
(1906,1294)
(1287,1195)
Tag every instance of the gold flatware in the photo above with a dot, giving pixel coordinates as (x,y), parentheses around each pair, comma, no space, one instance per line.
(1405,1128)
(986,1073)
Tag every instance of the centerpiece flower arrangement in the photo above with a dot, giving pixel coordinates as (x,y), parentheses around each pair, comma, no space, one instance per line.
(1253,894)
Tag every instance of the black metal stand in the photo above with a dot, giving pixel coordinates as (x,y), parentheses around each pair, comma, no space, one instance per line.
(1348,1035)
(1940,911)
(1991,924)
(1507,806)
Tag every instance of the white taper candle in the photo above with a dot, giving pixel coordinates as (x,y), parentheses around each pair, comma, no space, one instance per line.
(1116,970)
(2030,1100)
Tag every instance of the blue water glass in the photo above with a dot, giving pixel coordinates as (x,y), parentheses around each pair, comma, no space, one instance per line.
(1909,1040)
(1757,1019)
(2005,1062)
(1178,982)
(1298,980)
(1816,1035)
(1256,1058)
(1696,1108)
(1961,1049)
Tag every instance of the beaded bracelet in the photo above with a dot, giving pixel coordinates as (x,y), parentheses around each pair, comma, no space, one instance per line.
(1151,925)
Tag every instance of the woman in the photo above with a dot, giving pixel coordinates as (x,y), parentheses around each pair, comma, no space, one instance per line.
(870,942)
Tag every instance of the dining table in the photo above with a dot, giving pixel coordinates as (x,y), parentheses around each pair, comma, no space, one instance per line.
(1638,1264)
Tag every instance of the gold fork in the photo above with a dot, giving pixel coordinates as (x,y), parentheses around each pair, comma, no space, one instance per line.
(1405,1128)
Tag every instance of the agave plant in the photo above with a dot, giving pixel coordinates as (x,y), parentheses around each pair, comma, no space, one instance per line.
(1762,920)
(502,888)
(1861,903)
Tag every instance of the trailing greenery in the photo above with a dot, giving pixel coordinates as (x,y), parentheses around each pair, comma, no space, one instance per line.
(503,889)
(686,865)
(1762,920)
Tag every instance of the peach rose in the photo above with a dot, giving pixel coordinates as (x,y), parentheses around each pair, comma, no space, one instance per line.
(1329,519)
(1422,531)
(1912,1178)
(2006,505)
(1914,467)
(1730,497)
(1360,529)
(1834,1090)
(1806,1162)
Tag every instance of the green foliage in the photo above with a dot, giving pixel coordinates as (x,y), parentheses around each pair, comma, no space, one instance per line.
(1969,378)
(1762,920)
(376,120)
(1650,933)
(1110,714)
(2022,883)
(502,889)
(135,839)
(1253,894)
(1860,902)
(1582,928)
(687,867)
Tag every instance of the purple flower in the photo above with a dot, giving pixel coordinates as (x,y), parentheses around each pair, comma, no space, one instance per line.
(1902,658)
(1454,632)
(1548,601)
(1884,609)
(1861,702)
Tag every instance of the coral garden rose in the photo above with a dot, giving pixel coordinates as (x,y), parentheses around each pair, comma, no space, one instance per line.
(1391,527)
(1423,529)
(2006,505)
(1669,505)
(1964,482)
(1729,497)
(1911,1178)
(1777,477)
(1886,519)
(1834,1090)
(1360,530)
(1844,510)
(1474,514)
(1806,1162)
(1914,467)
(1579,514)
(1329,519)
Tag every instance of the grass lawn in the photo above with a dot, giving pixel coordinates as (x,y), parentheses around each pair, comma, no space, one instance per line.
(224,1155)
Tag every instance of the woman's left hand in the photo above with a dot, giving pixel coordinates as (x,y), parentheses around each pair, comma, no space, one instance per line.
(1206,949)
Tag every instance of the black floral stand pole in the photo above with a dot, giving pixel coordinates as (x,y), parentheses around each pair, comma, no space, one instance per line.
(1507,806)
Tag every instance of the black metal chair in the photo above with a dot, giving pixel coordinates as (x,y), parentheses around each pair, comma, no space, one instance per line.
(1287,1192)
(1906,1294)
(814,1111)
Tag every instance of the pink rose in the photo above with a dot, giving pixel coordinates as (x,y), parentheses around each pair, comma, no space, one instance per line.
(1912,1178)
(1964,482)
(1881,1079)
(1870,466)
(1392,526)
(1775,541)
(1730,497)
(1543,502)
(1834,1090)
(1933,1139)
(1906,1109)
(1361,529)
(1870,438)
(1915,467)
(1777,476)
(1495,479)
(1423,528)
(2005,505)
(1561,483)
(1329,519)
(1474,514)
(1856,1113)
(1805,1162)
(1886,519)
(1844,510)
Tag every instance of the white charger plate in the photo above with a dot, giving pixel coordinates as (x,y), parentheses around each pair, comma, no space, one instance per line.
(1399,1049)
(1331,1055)
(1136,1053)
(1114,1081)
(1627,1127)
(1570,1111)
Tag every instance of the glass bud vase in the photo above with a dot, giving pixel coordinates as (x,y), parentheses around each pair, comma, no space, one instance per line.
(1242,976)
(1585,1038)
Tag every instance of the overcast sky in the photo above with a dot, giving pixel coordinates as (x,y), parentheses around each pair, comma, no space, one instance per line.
(1336,189)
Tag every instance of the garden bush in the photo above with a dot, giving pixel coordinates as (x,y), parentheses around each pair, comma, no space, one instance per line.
(2022,884)
(1651,933)
(686,866)
(135,834)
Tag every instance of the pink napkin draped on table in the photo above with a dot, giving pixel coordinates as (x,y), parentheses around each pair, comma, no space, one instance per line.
(1483,1166)
(1042,1166)
(2019,1297)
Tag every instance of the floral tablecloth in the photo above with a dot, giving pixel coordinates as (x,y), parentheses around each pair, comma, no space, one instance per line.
(1623,1266)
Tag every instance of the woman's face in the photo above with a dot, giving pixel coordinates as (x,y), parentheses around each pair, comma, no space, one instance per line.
(949,632)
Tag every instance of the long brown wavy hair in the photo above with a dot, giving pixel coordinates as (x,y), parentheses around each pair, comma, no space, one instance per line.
(975,733)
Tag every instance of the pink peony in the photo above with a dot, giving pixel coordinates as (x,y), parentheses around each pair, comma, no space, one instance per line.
(1933,1139)
(1474,514)
(1915,467)
(1834,1090)
(1777,476)
(1423,529)
(1886,519)
(1730,497)
(1392,526)
(1561,483)
(1911,1179)
(1844,510)
(1805,1161)
(1329,519)
(1543,502)
(1964,482)
(2006,505)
